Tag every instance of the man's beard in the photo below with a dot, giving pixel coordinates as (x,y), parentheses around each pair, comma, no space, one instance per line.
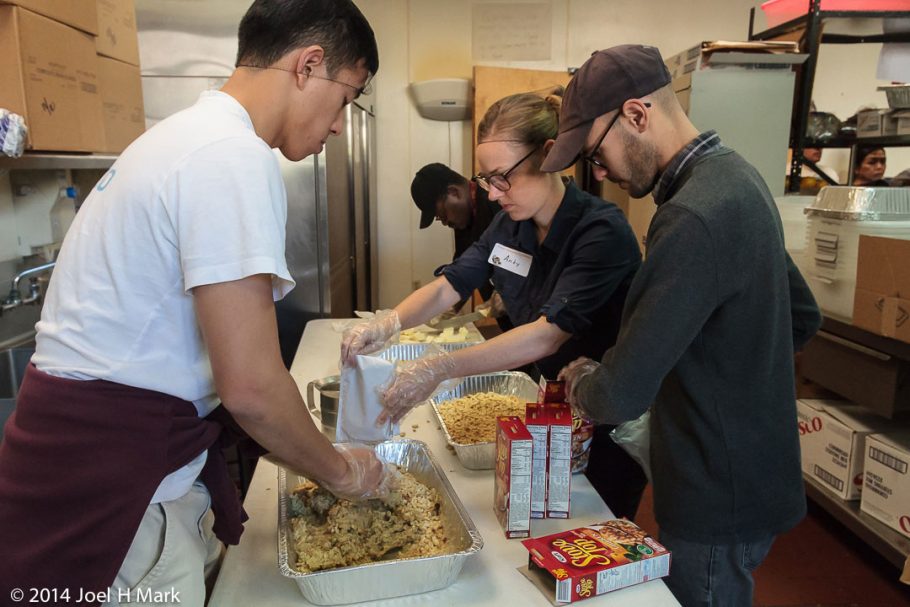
(641,163)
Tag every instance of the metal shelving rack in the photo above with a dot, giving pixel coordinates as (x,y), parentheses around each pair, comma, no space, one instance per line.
(812,37)
(50,161)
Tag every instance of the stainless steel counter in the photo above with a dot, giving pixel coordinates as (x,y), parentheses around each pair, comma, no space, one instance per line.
(250,576)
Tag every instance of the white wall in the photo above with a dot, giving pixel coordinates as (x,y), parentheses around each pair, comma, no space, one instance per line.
(424,39)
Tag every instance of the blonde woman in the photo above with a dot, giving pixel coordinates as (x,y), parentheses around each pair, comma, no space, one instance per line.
(562,261)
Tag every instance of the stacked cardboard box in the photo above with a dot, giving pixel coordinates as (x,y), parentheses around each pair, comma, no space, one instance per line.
(117,45)
(882,300)
(832,438)
(72,98)
(49,75)
(886,480)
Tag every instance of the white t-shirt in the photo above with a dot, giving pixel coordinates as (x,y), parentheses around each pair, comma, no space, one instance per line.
(196,200)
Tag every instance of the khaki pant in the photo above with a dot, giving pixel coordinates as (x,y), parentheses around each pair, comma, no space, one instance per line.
(172,556)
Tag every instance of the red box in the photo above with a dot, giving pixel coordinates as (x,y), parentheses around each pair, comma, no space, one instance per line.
(539,428)
(559,460)
(552,391)
(594,560)
(781,11)
(512,482)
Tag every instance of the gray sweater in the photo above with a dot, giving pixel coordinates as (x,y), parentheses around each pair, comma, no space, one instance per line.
(709,330)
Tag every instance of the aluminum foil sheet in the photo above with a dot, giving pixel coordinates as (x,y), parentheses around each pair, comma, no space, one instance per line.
(482,456)
(392,578)
(862,204)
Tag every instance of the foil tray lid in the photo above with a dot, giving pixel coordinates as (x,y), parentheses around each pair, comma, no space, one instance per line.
(858,203)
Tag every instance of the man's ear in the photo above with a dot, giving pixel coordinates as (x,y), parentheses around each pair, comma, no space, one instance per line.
(306,60)
(637,113)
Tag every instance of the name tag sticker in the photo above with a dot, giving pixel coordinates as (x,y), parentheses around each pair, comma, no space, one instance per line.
(510,259)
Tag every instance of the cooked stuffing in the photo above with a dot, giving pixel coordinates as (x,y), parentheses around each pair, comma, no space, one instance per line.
(331,532)
(471,419)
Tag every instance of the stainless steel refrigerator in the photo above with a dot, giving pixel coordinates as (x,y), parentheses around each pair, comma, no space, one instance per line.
(189,47)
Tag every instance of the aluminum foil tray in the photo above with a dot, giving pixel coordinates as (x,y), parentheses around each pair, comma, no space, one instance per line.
(482,456)
(415,351)
(392,578)
(862,203)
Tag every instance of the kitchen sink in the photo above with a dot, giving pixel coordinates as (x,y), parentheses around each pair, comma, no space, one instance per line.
(13,363)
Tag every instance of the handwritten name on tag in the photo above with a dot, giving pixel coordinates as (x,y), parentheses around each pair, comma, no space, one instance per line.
(510,259)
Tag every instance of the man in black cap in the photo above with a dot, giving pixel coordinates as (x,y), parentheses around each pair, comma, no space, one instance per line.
(441,193)
(709,327)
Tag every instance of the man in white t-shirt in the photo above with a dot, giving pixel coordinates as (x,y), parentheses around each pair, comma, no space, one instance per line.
(161,307)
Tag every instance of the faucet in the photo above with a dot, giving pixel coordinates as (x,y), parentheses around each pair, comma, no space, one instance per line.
(14,299)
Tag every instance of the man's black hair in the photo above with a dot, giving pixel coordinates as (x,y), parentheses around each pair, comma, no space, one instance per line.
(432,182)
(272,28)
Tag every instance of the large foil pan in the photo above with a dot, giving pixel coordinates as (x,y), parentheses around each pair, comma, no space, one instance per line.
(482,456)
(415,351)
(858,203)
(392,578)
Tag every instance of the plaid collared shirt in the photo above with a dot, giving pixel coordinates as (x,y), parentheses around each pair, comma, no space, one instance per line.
(705,143)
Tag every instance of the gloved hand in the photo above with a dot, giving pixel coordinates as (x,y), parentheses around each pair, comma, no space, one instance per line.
(371,336)
(366,477)
(414,382)
(493,307)
(572,375)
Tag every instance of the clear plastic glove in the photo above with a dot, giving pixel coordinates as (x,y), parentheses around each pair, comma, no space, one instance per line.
(493,307)
(572,375)
(370,336)
(366,476)
(414,382)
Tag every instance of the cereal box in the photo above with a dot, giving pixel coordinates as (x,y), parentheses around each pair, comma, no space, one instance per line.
(589,561)
(582,429)
(536,422)
(559,460)
(512,481)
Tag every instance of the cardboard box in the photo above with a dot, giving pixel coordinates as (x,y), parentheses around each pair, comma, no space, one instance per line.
(117,35)
(559,460)
(538,427)
(882,300)
(832,443)
(512,481)
(49,75)
(876,123)
(886,481)
(551,391)
(80,14)
(121,103)
(593,560)
(582,429)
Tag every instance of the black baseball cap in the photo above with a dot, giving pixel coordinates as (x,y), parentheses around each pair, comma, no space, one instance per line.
(607,79)
(429,185)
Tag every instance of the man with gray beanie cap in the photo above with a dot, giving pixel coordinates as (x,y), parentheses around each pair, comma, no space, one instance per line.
(709,328)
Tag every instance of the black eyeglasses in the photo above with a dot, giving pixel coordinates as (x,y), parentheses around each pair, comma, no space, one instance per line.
(589,158)
(500,181)
(363,90)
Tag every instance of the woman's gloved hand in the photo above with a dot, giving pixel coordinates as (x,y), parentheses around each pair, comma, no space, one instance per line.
(572,374)
(366,476)
(371,336)
(413,383)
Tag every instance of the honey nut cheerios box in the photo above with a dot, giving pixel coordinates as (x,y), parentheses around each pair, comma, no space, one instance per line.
(596,559)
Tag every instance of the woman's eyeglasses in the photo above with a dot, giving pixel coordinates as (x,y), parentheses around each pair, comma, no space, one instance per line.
(500,181)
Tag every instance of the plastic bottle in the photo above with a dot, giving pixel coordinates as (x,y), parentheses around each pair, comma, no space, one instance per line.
(62,213)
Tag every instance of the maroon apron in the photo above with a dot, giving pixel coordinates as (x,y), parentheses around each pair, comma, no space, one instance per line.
(79,463)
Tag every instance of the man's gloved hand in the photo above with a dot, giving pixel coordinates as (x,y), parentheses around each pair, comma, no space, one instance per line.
(371,336)
(366,476)
(572,375)
(413,383)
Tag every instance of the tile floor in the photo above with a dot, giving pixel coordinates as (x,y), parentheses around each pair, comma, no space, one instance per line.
(819,563)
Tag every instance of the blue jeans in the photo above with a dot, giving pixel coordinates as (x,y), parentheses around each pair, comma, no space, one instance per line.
(713,575)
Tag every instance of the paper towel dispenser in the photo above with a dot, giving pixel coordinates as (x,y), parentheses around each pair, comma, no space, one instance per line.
(443,99)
